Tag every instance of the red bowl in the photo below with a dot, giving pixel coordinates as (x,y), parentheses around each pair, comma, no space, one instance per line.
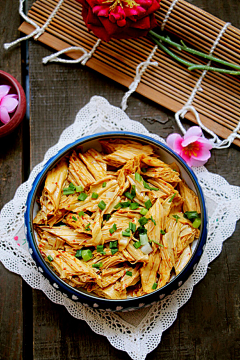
(18,115)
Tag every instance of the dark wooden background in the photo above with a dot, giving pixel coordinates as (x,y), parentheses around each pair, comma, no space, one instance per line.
(32,327)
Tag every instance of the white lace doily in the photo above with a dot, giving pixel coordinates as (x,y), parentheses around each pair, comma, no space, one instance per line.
(137,332)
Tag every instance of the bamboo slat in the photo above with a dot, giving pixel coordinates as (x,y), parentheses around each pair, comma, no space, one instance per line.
(170,84)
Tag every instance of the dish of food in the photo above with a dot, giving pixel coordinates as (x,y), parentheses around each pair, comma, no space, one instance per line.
(117,221)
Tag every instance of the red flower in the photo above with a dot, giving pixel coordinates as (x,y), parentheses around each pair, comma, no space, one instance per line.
(119,19)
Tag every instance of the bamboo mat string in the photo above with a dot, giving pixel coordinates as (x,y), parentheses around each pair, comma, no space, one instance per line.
(141,68)
(223,118)
(168,14)
(52,15)
(38,30)
(216,142)
(82,59)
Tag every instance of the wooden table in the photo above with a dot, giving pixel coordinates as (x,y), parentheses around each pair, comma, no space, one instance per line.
(32,327)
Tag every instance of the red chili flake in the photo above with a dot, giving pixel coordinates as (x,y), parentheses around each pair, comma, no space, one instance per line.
(110,234)
(74,240)
(69,206)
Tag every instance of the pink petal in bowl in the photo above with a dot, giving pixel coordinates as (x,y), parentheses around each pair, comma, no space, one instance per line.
(19,113)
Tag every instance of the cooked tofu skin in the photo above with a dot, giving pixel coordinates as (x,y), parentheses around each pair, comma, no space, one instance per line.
(118,222)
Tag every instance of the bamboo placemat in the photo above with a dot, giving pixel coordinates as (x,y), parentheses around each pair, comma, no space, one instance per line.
(170,84)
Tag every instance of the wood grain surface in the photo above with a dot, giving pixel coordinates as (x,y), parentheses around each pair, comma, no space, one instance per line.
(32,327)
(170,83)
(11,176)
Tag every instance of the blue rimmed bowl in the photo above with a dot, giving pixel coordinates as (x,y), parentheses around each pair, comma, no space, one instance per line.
(89,299)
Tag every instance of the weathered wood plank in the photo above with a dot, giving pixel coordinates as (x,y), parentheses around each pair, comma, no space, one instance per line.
(207,327)
(11,330)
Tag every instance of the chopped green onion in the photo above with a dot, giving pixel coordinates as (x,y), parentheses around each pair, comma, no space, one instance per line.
(79,188)
(143,211)
(100,249)
(148,204)
(129,195)
(113,244)
(87,254)
(191,215)
(171,199)
(146,249)
(154,286)
(176,217)
(68,191)
(113,229)
(137,244)
(98,265)
(78,253)
(138,176)
(162,232)
(107,216)
(134,206)
(152,219)
(143,221)
(50,258)
(129,273)
(81,213)
(125,204)
(113,251)
(104,184)
(145,184)
(117,206)
(101,205)
(144,170)
(196,223)
(142,230)
(74,218)
(87,228)
(126,233)
(132,194)
(94,195)
(133,191)
(143,239)
(132,227)
(155,242)
(82,196)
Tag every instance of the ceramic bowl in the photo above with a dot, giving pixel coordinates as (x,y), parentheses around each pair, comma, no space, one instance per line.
(18,115)
(89,299)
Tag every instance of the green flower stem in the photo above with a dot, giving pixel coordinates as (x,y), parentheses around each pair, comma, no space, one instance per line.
(169,52)
(191,66)
(224,71)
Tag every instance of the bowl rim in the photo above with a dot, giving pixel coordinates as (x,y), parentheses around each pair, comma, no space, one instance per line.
(52,162)
(20,110)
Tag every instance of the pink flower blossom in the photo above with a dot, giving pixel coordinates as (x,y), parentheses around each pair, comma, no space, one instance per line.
(192,147)
(8,103)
